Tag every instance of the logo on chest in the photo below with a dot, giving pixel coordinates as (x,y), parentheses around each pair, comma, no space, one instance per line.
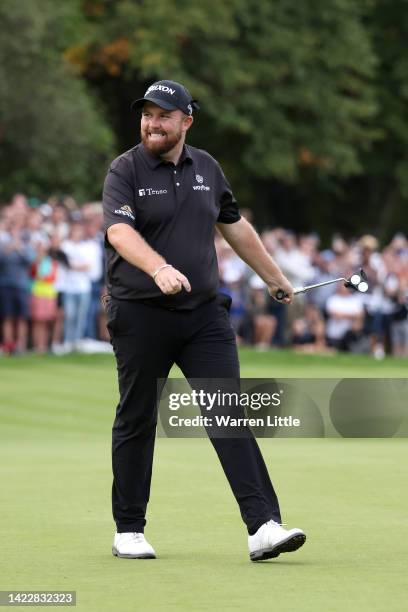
(148,191)
(200,187)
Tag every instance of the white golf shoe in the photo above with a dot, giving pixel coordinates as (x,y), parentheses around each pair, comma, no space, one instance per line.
(271,539)
(132,546)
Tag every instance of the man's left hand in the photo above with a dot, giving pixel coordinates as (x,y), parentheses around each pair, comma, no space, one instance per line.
(286,286)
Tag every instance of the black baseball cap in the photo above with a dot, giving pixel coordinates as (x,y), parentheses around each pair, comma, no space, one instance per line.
(168,95)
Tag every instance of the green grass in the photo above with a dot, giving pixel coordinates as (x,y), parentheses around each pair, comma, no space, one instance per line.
(56,526)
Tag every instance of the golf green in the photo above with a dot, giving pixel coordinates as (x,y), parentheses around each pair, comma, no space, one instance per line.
(56,528)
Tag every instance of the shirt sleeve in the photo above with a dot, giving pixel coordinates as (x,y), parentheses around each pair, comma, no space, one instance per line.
(229,212)
(118,195)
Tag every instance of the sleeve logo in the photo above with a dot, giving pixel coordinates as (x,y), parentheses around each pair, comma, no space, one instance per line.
(126,211)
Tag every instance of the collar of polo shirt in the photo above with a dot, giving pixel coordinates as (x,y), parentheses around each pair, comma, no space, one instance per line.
(153,161)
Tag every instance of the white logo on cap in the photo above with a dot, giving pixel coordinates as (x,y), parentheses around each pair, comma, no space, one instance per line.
(190,109)
(199,178)
(160,88)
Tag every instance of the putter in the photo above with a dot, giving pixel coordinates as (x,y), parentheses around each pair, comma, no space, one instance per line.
(358,282)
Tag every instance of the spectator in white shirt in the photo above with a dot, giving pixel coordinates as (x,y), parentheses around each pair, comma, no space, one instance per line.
(345,314)
(94,241)
(77,285)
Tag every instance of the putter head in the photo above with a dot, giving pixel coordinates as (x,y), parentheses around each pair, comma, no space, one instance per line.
(358,282)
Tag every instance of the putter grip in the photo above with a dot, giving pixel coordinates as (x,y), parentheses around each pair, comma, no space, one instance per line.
(280,294)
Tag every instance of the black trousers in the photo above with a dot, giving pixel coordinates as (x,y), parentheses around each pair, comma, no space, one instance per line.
(147,341)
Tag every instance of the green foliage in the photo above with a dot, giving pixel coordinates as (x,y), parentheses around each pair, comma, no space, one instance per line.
(291,78)
(389,29)
(381,193)
(52,135)
(306,99)
(292,94)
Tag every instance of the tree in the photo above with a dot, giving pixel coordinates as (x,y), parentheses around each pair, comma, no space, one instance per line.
(386,165)
(286,87)
(53,136)
(292,81)
(303,103)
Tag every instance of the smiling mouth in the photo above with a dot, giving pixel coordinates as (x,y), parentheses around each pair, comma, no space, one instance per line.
(156,136)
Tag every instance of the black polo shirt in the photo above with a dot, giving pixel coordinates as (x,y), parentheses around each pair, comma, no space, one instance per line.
(175,209)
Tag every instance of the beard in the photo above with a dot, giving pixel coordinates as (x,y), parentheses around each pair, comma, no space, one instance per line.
(162,145)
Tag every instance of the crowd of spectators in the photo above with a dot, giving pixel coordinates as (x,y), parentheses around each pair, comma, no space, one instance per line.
(329,319)
(52,279)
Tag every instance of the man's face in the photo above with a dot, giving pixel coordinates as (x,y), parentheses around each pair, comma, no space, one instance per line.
(161,130)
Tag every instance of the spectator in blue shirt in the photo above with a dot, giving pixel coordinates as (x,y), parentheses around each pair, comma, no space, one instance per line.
(16,257)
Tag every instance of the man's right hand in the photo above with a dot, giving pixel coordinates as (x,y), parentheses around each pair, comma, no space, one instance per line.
(170,281)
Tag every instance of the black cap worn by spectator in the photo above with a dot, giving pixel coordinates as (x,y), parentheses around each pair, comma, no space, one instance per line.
(168,95)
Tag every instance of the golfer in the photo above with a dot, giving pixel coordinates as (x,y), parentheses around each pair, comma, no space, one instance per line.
(162,201)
